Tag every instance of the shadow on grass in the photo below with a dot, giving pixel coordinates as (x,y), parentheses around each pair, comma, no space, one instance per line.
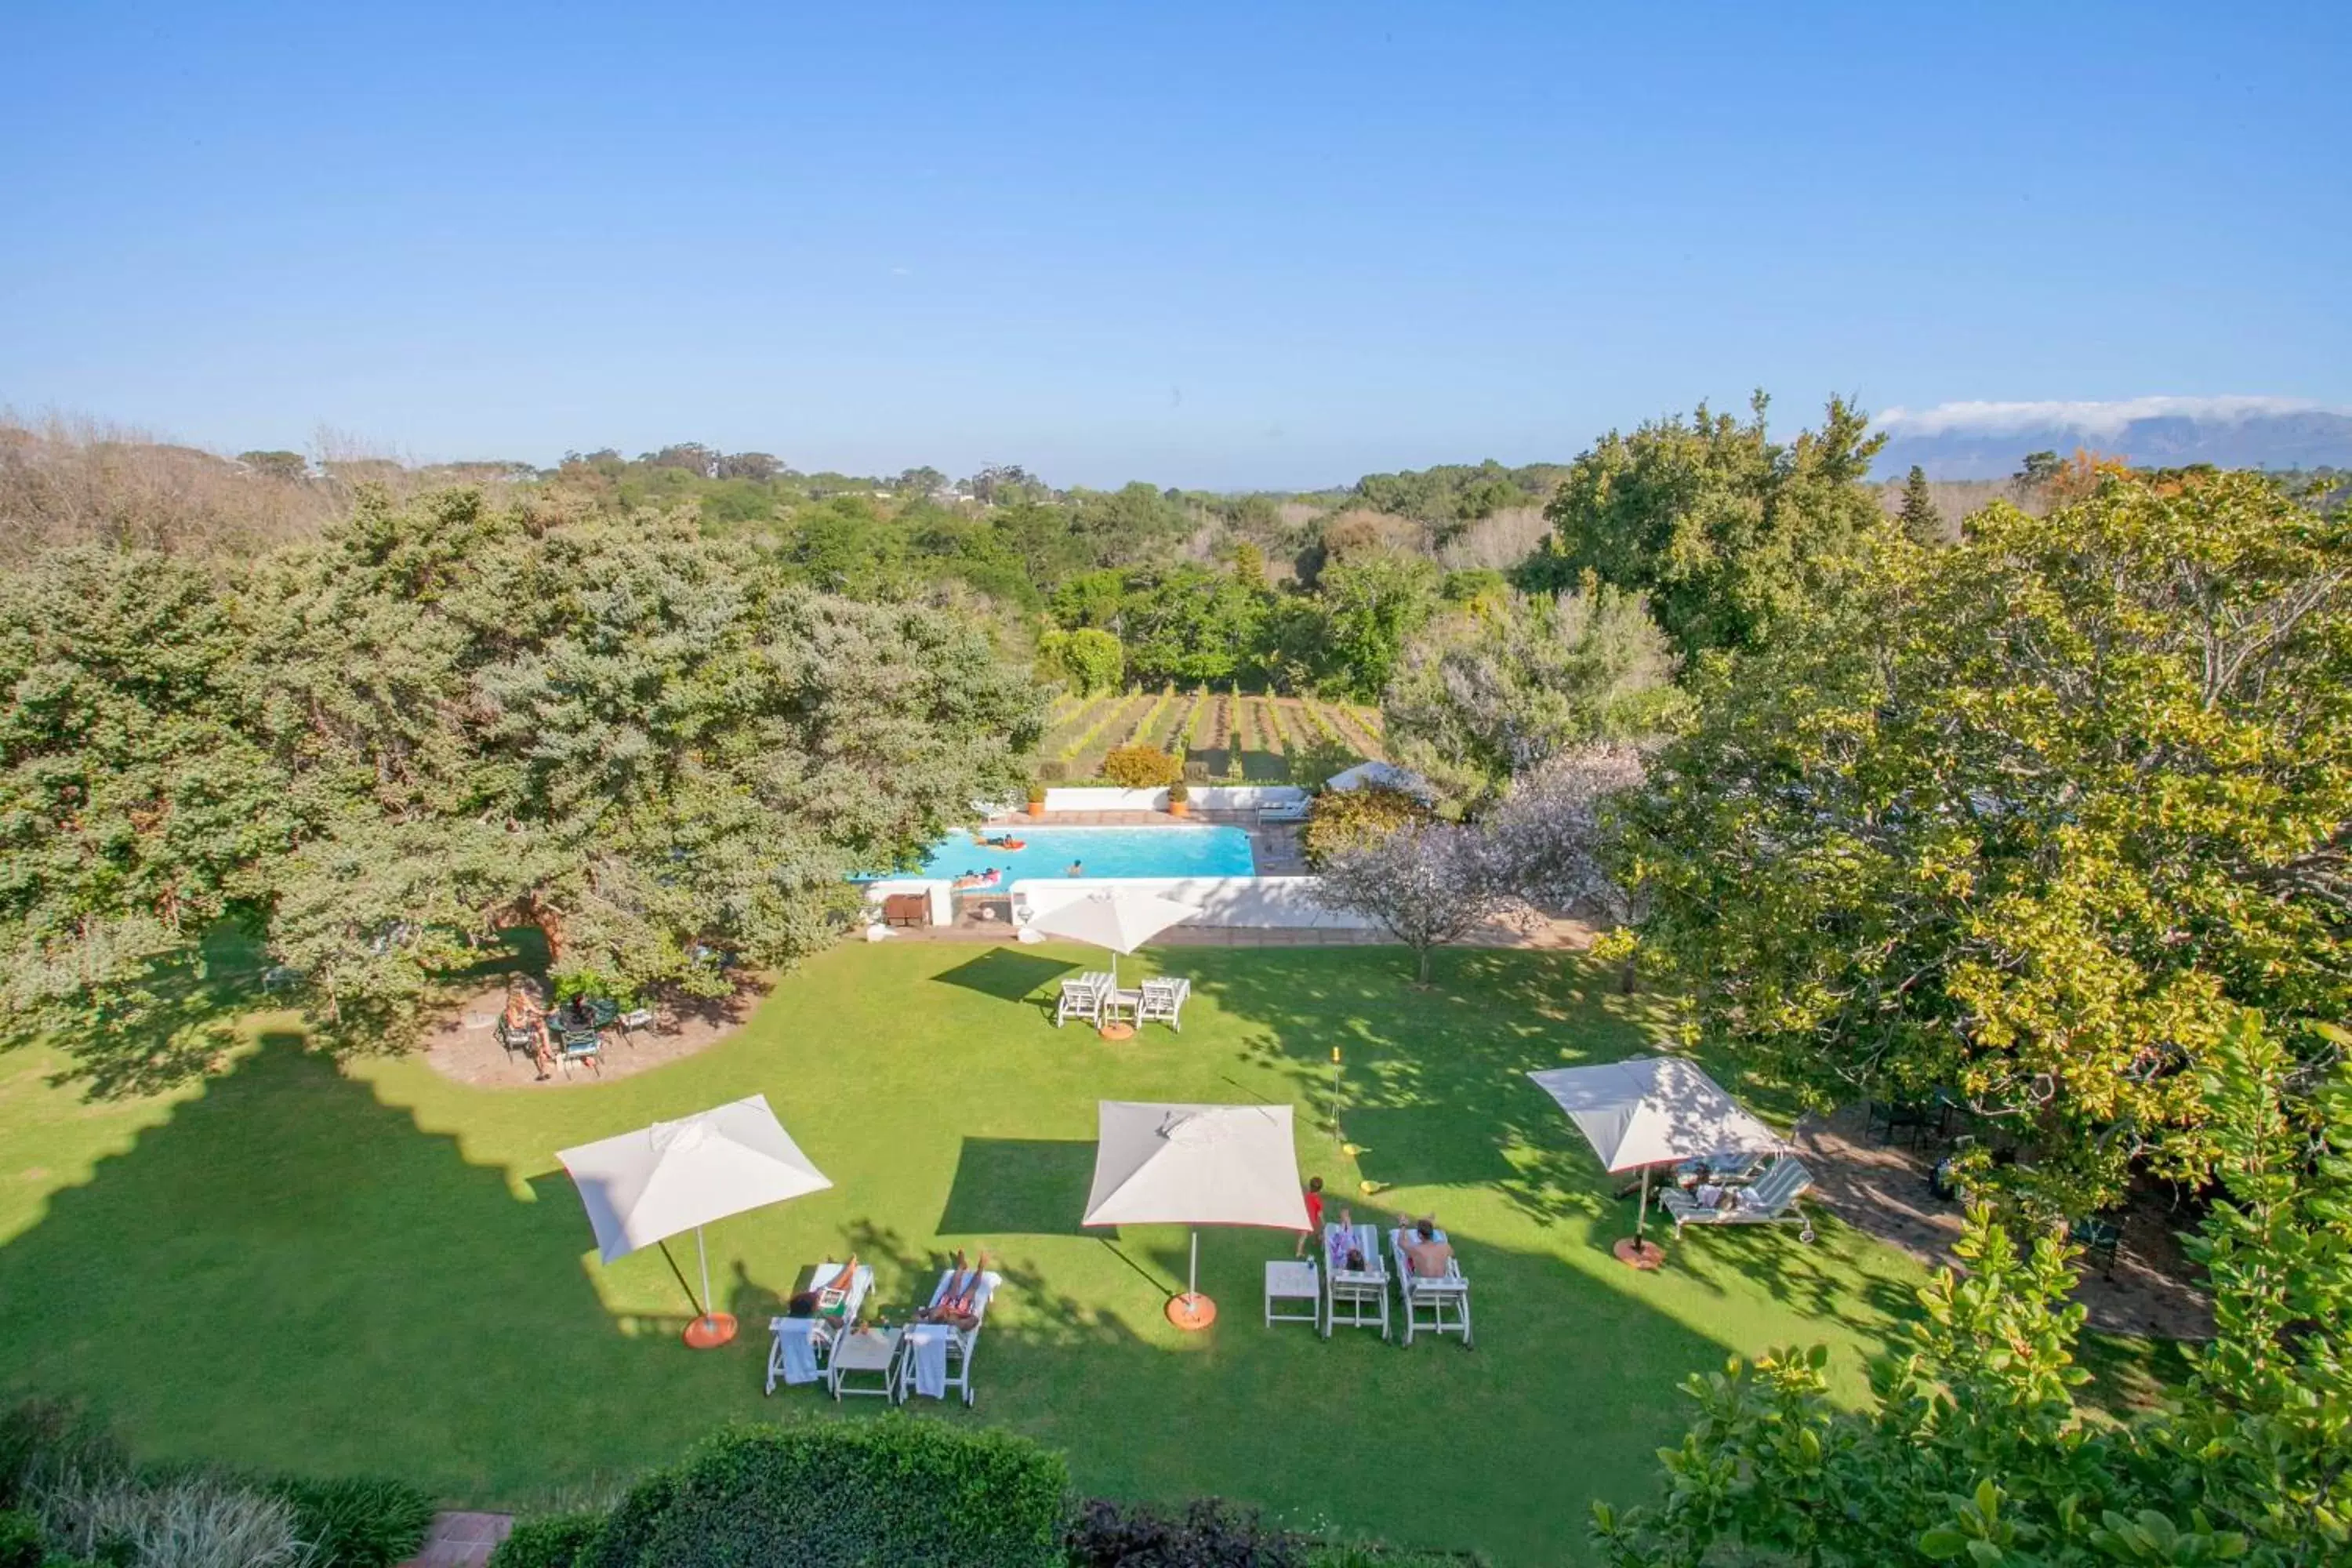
(1008,976)
(1020,1186)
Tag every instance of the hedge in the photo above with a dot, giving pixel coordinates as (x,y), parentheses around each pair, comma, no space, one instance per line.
(831,1494)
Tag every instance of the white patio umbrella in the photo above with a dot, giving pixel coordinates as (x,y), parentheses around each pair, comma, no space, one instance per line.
(643,1186)
(1195,1165)
(1121,919)
(1647,1110)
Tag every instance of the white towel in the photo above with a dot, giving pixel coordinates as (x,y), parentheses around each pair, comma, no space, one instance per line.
(796,1338)
(929,1344)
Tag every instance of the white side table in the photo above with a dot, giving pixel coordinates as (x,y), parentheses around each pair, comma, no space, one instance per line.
(867,1351)
(1293,1281)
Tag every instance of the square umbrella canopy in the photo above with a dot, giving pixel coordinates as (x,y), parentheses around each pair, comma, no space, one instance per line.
(643,1186)
(1647,1110)
(1195,1165)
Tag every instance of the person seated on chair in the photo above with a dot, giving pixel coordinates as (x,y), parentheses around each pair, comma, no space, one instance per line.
(576,1014)
(1425,1256)
(1708,1196)
(957,1302)
(526,1020)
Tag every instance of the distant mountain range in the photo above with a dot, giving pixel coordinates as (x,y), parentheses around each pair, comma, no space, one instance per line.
(1990,440)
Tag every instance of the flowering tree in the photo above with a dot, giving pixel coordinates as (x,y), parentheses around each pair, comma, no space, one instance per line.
(1428,883)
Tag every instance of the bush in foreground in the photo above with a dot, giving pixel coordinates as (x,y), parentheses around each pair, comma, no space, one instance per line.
(827,1495)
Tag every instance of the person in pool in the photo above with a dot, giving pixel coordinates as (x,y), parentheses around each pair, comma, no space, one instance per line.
(1078,868)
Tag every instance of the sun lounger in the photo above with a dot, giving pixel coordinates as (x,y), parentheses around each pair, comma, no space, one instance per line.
(1772,1200)
(1162,1001)
(1082,998)
(803,1345)
(1436,1306)
(1354,1299)
(1283,811)
(938,1355)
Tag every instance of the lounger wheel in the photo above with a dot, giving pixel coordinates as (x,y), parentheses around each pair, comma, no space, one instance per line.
(1806,1234)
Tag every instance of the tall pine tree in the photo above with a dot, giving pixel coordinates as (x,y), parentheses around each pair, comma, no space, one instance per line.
(1921,521)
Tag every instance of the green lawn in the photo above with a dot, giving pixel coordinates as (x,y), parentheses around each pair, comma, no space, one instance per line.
(377,1270)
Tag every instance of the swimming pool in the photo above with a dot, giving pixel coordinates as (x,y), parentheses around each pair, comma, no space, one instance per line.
(1203,850)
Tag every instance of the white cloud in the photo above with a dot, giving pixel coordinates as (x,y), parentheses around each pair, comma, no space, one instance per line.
(2088,418)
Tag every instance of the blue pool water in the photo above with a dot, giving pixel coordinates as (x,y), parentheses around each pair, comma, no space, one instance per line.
(1189,851)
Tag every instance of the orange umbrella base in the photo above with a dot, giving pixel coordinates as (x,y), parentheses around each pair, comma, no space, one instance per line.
(1643,1255)
(1117,1031)
(709,1332)
(1192,1312)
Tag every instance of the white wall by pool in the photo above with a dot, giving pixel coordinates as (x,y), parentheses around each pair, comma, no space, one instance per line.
(1205,798)
(1264,902)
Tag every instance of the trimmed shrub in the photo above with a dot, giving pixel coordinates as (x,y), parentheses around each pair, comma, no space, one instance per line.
(1142,767)
(1208,1533)
(556,1541)
(22,1543)
(368,1521)
(1345,819)
(824,1494)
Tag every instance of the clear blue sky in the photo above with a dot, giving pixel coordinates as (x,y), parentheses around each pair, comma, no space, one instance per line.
(1201,244)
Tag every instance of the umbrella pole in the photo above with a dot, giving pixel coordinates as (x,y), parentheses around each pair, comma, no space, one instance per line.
(1191,1310)
(1108,1029)
(711,1330)
(1636,1251)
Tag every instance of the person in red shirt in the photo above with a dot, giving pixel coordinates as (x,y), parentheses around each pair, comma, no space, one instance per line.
(1314,1214)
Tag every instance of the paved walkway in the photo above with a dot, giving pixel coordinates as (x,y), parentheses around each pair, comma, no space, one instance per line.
(462,1539)
(1883,1188)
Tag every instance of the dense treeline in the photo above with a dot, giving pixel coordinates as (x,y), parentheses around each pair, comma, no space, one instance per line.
(446,719)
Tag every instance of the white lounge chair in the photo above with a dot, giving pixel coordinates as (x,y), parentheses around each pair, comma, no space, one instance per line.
(1354,1299)
(1162,1001)
(960,1344)
(1283,811)
(1772,1200)
(838,1304)
(1082,998)
(1436,1306)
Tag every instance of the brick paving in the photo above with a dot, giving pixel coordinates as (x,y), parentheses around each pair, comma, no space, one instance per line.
(462,1539)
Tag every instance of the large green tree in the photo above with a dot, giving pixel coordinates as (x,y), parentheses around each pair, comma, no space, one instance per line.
(451,718)
(1493,690)
(1971,1448)
(1721,528)
(2028,818)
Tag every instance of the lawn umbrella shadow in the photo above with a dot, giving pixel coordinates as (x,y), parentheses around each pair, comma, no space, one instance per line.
(1008,976)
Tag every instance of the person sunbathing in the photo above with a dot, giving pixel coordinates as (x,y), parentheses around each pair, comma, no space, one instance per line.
(1425,1256)
(959,1300)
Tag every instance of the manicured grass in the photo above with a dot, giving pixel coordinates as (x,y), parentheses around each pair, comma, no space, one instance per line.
(377,1270)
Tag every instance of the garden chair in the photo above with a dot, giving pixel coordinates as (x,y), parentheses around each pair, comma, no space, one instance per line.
(945,1348)
(631,1022)
(1436,1306)
(1082,998)
(2101,1239)
(817,1335)
(581,1045)
(1162,1001)
(1354,1299)
(1772,1199)
(518,1042)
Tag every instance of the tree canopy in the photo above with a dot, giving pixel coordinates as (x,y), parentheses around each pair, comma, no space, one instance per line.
(450,718)
(1722,529)
(1493,690)
(2028,818)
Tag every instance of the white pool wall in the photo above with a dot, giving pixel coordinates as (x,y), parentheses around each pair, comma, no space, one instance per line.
(1258,902)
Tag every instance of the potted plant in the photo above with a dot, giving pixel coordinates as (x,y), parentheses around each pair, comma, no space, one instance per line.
(1180,799)
(1036,797)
